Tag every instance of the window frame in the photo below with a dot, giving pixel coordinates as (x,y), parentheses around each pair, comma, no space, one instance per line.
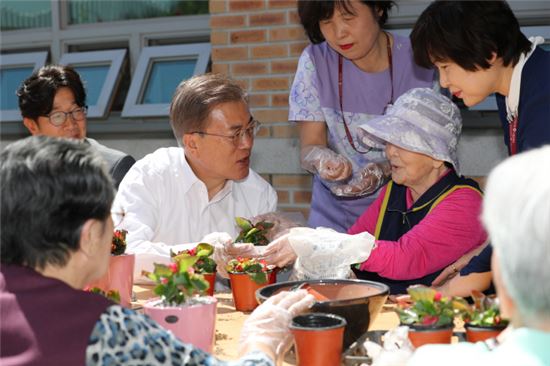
(89,58)
(34,59)
(148,55)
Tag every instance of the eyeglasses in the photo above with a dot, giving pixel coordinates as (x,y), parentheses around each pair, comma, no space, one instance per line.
(238,137)
(117,217)
(58,118)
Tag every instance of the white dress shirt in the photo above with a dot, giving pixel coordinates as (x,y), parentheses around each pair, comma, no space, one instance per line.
(166,205)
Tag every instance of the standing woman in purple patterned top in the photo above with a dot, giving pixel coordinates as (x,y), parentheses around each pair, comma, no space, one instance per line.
(348,75)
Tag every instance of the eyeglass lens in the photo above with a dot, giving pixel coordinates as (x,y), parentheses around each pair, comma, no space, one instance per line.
(59,118)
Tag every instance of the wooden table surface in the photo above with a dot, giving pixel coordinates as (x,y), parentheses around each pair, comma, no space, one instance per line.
(229,323)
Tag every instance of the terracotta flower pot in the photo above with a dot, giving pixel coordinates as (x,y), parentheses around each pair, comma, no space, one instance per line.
(420,335)
(318,338)
(211,278)
(244,290)
(194,323)
(477,333)
(119,277)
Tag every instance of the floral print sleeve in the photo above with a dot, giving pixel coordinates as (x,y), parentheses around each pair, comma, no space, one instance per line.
(304,100)
(122,336)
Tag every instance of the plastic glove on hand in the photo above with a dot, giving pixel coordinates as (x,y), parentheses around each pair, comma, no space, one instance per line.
(266,329)
(366,182)
(279,252)
(329,165)
(281,224)
(225,250)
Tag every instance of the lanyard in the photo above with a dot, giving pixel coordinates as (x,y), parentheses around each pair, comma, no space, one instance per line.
(340,94)
(513,135)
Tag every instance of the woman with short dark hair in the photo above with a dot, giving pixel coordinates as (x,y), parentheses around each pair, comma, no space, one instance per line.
(350,73)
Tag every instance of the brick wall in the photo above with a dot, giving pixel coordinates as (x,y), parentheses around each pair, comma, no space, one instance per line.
(258,42)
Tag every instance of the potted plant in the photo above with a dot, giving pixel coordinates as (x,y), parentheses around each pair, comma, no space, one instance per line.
(204,265)
(482,320)
(120,274)
(181,308)
(246,276)
(428,315)
(253,233)
(112,295)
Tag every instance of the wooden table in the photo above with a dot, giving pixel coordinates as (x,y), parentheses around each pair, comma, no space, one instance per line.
(229,322)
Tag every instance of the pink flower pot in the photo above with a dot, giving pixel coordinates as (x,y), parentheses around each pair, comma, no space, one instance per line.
(119,277)
(195,323)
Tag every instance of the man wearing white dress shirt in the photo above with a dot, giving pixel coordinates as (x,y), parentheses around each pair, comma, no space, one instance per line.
(178,195)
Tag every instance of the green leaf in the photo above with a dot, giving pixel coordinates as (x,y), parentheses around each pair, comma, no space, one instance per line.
(186,262)
(162,270)
(421,292)
(243,223)
(259,277)
(204,250)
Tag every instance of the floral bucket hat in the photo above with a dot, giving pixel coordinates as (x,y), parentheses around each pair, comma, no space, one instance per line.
(421,120)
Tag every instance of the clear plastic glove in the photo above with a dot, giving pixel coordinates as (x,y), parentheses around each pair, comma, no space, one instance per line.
(321,160)
(281,224)
(266,329)
(319,253)
(279,252)
(225,250)
(372,177)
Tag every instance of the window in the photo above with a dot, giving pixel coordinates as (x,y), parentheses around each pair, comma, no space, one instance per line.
(16,14)
(99,11)
(14,68)
(100,72)
(158,72)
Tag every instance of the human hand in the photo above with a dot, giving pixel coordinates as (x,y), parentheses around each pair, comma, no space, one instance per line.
(452,270)
(225,250)
(329,165)
(279,252)
(281,224)
(266,329)
(366,182)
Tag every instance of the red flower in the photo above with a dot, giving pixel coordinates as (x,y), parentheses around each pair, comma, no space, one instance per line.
(438,296)
(239,268)
(164,280)
(192,252)
(430,320)
(173,267)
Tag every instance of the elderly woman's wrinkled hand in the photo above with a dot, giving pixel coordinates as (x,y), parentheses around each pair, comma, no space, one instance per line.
(279,252)
(372,177)
(266,329)
(323,161)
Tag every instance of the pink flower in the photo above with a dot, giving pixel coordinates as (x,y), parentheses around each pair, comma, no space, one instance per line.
(173,267)
(437,296)
(164,280)
(192,252)
(190,270)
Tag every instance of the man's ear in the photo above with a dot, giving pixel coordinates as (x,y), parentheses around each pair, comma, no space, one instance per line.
(493,59)
(31,125)
(190,143)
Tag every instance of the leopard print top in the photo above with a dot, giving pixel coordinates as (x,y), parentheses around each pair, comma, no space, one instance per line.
(122,336)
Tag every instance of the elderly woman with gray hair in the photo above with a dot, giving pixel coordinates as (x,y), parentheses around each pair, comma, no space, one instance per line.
(516,213)
(424,219)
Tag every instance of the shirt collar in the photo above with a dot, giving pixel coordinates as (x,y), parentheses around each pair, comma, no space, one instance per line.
(190,180)
(512,100)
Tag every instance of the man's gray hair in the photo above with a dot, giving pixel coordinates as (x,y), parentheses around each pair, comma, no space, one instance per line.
(516,212)
(195,98)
